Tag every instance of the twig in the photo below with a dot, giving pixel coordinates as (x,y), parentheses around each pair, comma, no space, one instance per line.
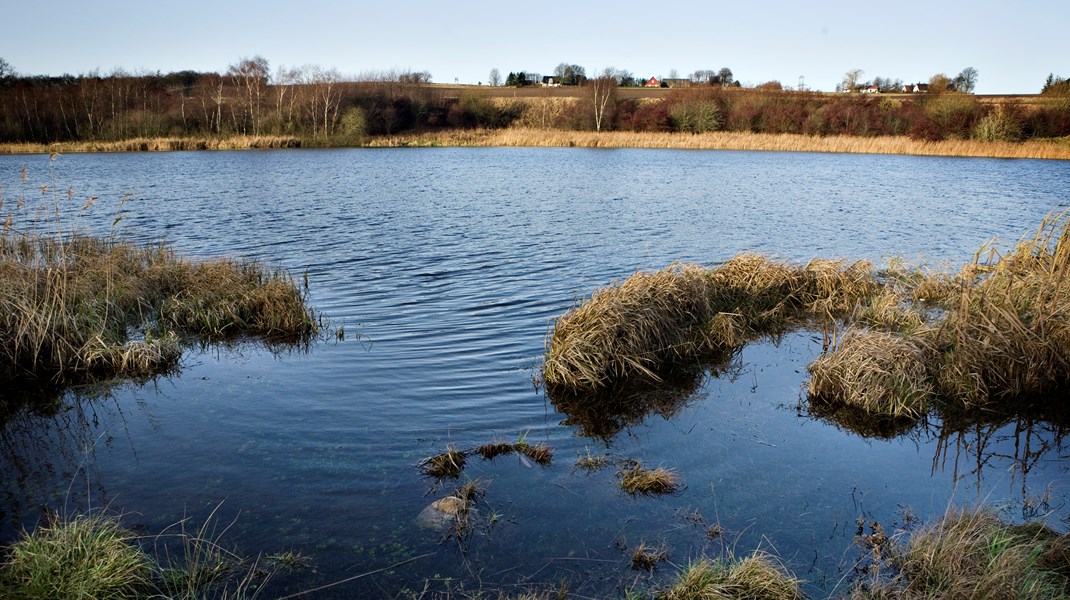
(355,577)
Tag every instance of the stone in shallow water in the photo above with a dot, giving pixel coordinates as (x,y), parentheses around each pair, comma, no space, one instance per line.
(440,514)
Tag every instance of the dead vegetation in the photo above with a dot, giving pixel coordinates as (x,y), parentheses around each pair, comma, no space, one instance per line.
(651,323)
(639,480)
(998,341)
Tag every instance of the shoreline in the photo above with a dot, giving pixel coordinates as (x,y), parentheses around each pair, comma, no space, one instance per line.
(1056,149)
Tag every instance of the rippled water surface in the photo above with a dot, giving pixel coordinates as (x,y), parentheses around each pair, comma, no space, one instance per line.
(446,267)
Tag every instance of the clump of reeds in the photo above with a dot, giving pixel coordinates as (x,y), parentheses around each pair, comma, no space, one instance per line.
(81,558)
(756,576)
(646,558)
(495,449)
(879,372)
(632,329)
(1001,338)
(652,323)
(639,480)
(91,556)
(541,453)
(77,307)
(448,464)
(973,554)
(1008,336)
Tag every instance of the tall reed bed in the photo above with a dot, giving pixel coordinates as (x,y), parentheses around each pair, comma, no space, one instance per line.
(730,140)
(1001,338)
(651,323)
(160,144)
(75,307)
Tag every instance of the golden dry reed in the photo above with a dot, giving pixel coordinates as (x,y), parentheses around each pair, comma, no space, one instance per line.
(729,140)
(972,554)
(651,323)
(1001,339)
(75,307)
(242,142)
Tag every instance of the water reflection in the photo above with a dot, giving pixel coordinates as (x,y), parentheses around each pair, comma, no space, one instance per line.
(603,415)
(49,439)
(1007,440)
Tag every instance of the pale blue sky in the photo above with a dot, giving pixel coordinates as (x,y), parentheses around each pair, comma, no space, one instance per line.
(1013,46)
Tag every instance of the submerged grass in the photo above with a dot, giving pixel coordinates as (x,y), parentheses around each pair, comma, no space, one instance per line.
(76,307)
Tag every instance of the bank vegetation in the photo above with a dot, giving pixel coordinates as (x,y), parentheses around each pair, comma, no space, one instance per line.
(250,107)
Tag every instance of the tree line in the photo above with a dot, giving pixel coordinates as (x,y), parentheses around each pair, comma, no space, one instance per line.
(321,105)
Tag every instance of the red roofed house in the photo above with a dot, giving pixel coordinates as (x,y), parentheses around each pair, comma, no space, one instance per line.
(652,82)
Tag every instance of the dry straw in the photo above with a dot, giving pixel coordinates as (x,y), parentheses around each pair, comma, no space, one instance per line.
(1000,342)
(653,323)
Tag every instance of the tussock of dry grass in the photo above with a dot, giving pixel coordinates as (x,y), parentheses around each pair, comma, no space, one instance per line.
(76,307)
(1002,338)
(880,372)
(448,464)
(646,558)
(653,322)
(638,480)
(726,140)
(974,555)
(759,576)
(540,453)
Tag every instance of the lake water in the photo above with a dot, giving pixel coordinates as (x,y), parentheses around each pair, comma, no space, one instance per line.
(446,268)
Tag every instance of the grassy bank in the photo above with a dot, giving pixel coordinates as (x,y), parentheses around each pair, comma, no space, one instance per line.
(165,144)
(724,140)
(1057,149)
(76,308)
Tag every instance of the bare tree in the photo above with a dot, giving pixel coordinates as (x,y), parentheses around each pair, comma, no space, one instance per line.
(966,81)
(725,77)
(603,96)
(250,77)
(6,70)
(850,79)
(495,77)
(285,97)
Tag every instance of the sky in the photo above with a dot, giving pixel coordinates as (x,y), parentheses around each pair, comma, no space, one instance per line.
(1013,46)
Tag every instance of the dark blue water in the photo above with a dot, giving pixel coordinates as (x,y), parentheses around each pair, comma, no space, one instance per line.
(446,267)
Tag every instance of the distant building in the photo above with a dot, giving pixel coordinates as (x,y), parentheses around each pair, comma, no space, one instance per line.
(915,88)
(872,90)
(676,83)
(652,82)
(551,81)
